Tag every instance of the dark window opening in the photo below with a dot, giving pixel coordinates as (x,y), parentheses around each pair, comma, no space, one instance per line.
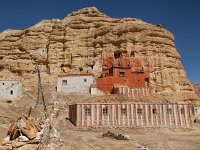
(133,53)
(137,73)
(122,74)
(123,111)
(87,111)
(138,80)
(155,111)
(117,54)
(3,83)
(64,82)
(85,80)
(139,111)
(111,72)
(105,110)
(169,110)
(11,92)
(80,69)
(182,111)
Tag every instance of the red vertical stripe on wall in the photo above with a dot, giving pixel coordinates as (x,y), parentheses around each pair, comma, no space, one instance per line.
(100,119)
(189,115)
(86,116)
(145,122)
(77,113)
(154,115)
(126,114)
(163,118)
(168,115)
(150,115)
(110,121)
(173,112)
(159,120)
(80,105)
(121,118)
(179,117)
(95,114)
(135,114)
(184,114)
(91,115)
(131,110)
(116,114)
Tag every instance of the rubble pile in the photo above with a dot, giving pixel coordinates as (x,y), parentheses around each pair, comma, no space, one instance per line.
(116,136)
(24,132)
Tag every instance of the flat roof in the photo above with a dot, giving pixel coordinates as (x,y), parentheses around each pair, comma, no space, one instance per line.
(119,103)
(75,75)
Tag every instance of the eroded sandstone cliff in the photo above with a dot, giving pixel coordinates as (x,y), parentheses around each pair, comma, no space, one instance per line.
(77,43)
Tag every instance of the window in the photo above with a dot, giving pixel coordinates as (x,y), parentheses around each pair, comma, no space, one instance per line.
(81,69)
(155,111)
(133,53)
(122,74)
(182,111)
(87,111)
(11,92)
(139,111)
(169,110)
(123,111)
(64,82)
(105,110)
(85,80)
(137,73)
(3,83)
(120,90)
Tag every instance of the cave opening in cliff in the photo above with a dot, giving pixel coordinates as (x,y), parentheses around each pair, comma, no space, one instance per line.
(117,54)
(133,54)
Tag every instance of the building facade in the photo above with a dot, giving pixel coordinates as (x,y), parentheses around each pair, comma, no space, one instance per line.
(75,83)
(170,115)
(10,89)
(196,111)
(123,72)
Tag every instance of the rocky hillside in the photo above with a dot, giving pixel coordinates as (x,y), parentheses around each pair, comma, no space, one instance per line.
(197,89)
(77,43)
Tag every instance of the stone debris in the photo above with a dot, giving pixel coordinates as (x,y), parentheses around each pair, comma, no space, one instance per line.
(25,133)
(143,148)
(116,136)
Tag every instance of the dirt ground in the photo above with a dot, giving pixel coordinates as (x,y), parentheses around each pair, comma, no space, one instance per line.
(91,139)
(154,139)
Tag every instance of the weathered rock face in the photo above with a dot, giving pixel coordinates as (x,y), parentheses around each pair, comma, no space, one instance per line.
(197,89)
(77,43)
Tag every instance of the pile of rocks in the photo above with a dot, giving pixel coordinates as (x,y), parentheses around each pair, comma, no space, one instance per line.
(116,136)
(24,132)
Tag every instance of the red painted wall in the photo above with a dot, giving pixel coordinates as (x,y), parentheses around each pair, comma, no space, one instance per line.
(131,68)
(131,80)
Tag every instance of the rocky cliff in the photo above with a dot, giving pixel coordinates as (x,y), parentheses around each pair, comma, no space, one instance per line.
(77,43)
(197,89)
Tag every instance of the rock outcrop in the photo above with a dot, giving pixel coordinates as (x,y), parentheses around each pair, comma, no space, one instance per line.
(197,89)
(77,43)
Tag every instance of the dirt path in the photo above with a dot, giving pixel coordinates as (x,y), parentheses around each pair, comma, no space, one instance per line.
(154,139)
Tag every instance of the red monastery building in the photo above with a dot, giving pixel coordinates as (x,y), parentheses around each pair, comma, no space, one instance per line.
(124,74)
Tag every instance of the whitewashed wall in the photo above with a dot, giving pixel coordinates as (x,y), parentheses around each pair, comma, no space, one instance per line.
(10,90)
(75,84)
(129,115)
(197,111)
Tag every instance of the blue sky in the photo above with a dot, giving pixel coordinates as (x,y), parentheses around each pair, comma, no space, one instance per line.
(181,17)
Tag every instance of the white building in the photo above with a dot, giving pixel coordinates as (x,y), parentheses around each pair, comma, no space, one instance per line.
(75,83)
(197,111)
(10,89)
